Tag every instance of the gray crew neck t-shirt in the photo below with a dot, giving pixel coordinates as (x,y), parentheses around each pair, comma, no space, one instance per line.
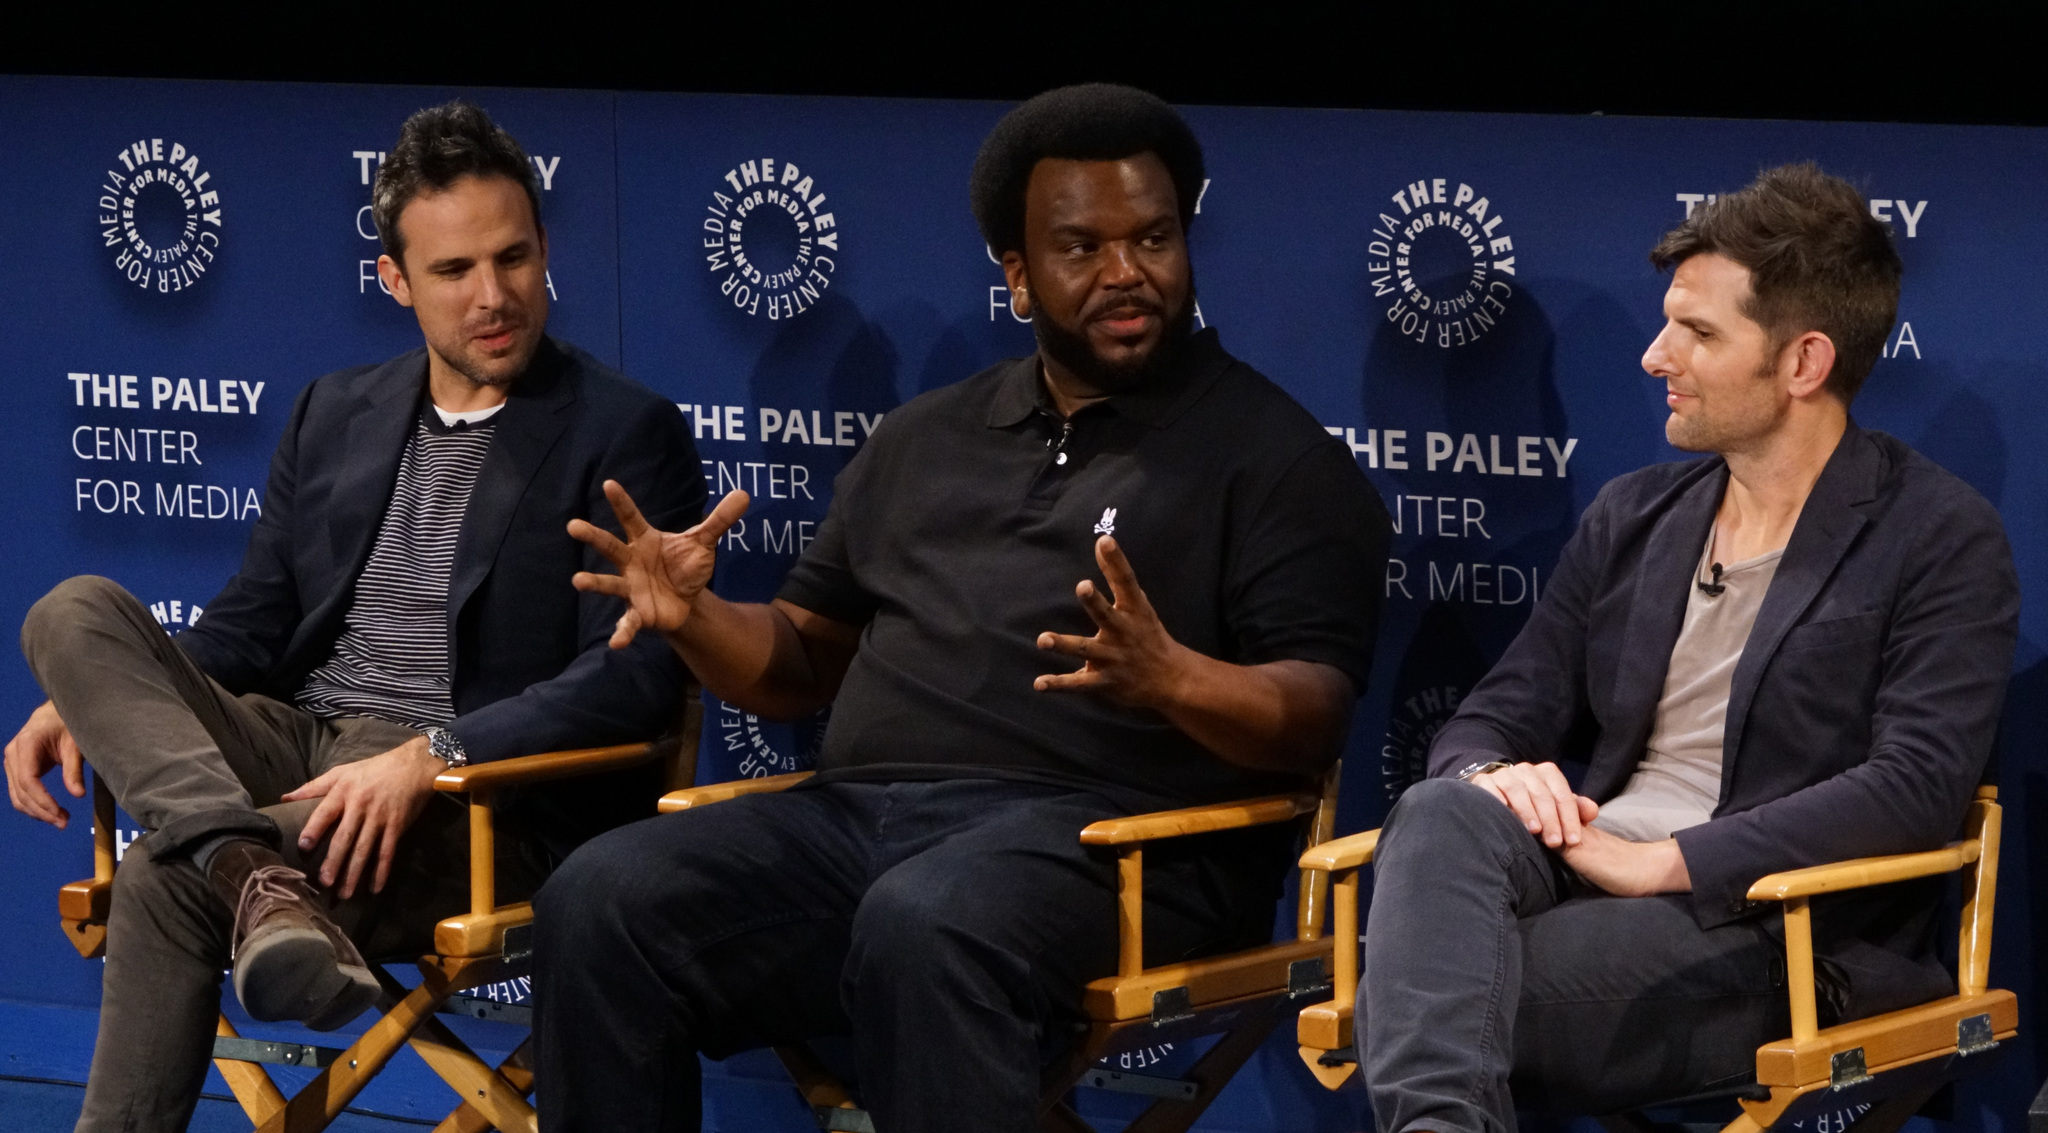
(1678,782)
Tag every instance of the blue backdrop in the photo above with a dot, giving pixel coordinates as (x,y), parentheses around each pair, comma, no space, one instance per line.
(1463,298)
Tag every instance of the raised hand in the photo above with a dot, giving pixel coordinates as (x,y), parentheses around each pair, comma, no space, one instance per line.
(1131,658)
(660,573)
(43,742)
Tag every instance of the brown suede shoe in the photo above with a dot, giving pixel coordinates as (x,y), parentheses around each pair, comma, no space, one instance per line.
(291,961)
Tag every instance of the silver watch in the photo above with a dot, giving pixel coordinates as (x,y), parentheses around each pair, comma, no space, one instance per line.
(1476,769)
(442,744)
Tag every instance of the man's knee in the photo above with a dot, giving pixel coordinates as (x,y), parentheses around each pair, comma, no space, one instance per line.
(73,608)
(612,888)
(1444,815)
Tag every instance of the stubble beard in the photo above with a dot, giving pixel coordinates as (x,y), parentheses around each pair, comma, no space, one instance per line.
(496,373)
(1726,431)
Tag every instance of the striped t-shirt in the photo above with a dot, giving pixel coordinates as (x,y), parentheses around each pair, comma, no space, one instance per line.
(391,660)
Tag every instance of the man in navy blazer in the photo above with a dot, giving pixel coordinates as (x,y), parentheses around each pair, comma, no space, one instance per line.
(1790,652)
(404,606)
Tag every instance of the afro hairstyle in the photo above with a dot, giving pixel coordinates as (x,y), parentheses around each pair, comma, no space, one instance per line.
(1089,122)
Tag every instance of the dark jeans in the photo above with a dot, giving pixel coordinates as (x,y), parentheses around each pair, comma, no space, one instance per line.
(190,761)
(1492,978)
(949,927)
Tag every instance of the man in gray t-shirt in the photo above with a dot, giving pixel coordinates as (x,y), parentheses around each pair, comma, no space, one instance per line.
(1678,783)
(1790,652)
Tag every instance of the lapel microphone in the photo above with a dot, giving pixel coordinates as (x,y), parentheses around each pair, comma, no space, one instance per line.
(1712,589)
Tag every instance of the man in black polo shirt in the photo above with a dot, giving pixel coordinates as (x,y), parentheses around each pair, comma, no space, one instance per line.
(926,892)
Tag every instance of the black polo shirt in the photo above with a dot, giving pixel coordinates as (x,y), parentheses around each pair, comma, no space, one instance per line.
(958,532)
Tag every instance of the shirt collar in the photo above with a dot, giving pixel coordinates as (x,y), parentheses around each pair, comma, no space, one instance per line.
(1163,398)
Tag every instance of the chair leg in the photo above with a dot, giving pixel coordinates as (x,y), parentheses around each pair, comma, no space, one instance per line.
(1210,1073)
(251,1084)
(516,1070)
(497,1100)
(813,1081)
(313,1108)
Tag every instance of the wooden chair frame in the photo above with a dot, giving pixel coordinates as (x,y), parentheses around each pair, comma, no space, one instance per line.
(1812,1070)
(486,944)
(1244,994)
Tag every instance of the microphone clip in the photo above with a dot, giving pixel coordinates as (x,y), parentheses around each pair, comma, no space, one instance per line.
(1712,589)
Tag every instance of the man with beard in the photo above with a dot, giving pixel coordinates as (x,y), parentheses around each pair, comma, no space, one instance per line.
(926,891)
(1788,652)
(403,607)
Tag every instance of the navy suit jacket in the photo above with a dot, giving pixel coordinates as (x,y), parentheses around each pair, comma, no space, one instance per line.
(530,670)
(1860,716)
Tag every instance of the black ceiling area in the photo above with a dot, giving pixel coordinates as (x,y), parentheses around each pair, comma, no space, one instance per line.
(1934,63)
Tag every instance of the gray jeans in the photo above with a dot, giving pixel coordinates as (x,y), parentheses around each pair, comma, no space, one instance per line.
(190,762)
(1492,978)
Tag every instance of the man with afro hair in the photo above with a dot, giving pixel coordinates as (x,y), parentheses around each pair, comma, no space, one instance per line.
(999,679)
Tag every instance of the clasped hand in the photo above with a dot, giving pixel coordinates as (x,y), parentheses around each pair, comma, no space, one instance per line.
(1130,658)
(1540,796)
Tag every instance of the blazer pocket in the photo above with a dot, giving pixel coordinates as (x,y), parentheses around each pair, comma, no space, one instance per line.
(1866,626)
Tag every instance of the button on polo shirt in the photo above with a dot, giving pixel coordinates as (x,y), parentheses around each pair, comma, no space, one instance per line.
(957,535)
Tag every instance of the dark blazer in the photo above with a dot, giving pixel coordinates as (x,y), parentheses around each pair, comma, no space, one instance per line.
(530,668)
(1860,716)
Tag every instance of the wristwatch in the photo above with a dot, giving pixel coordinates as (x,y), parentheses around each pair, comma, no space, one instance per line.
(442,745)
(1475,769)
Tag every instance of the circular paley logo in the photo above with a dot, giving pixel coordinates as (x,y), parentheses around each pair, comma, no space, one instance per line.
(773,750)
(1404,758)
(1442,267)
(769,242)
(158,217)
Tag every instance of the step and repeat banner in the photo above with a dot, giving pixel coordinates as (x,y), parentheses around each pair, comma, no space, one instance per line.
(1462,299)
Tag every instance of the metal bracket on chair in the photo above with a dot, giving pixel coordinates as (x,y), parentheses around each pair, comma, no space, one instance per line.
(518,944)
(839,1119)
(477,1007)
(1847,1068)
(1148,1085)
(1973,1035)
(1308,977)
(1171,1006)
(280,1054)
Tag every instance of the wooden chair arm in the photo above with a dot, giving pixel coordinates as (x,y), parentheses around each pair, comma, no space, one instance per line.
(1348,852)
(479,780)
(1794,887)
(720,792)
(1860,873)
(537,768)
(1197,820)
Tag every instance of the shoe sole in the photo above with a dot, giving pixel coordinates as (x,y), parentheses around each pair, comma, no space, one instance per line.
(293,974)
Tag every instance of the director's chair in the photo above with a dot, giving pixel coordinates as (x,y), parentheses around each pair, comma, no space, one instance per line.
(488,944)
(1891,1063)
(1244,994)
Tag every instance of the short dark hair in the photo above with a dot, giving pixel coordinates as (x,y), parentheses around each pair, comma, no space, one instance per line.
(437,146)
(1090,122)
(1817,260)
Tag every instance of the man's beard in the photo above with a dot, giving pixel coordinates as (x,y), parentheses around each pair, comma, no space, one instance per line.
(1072,350)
